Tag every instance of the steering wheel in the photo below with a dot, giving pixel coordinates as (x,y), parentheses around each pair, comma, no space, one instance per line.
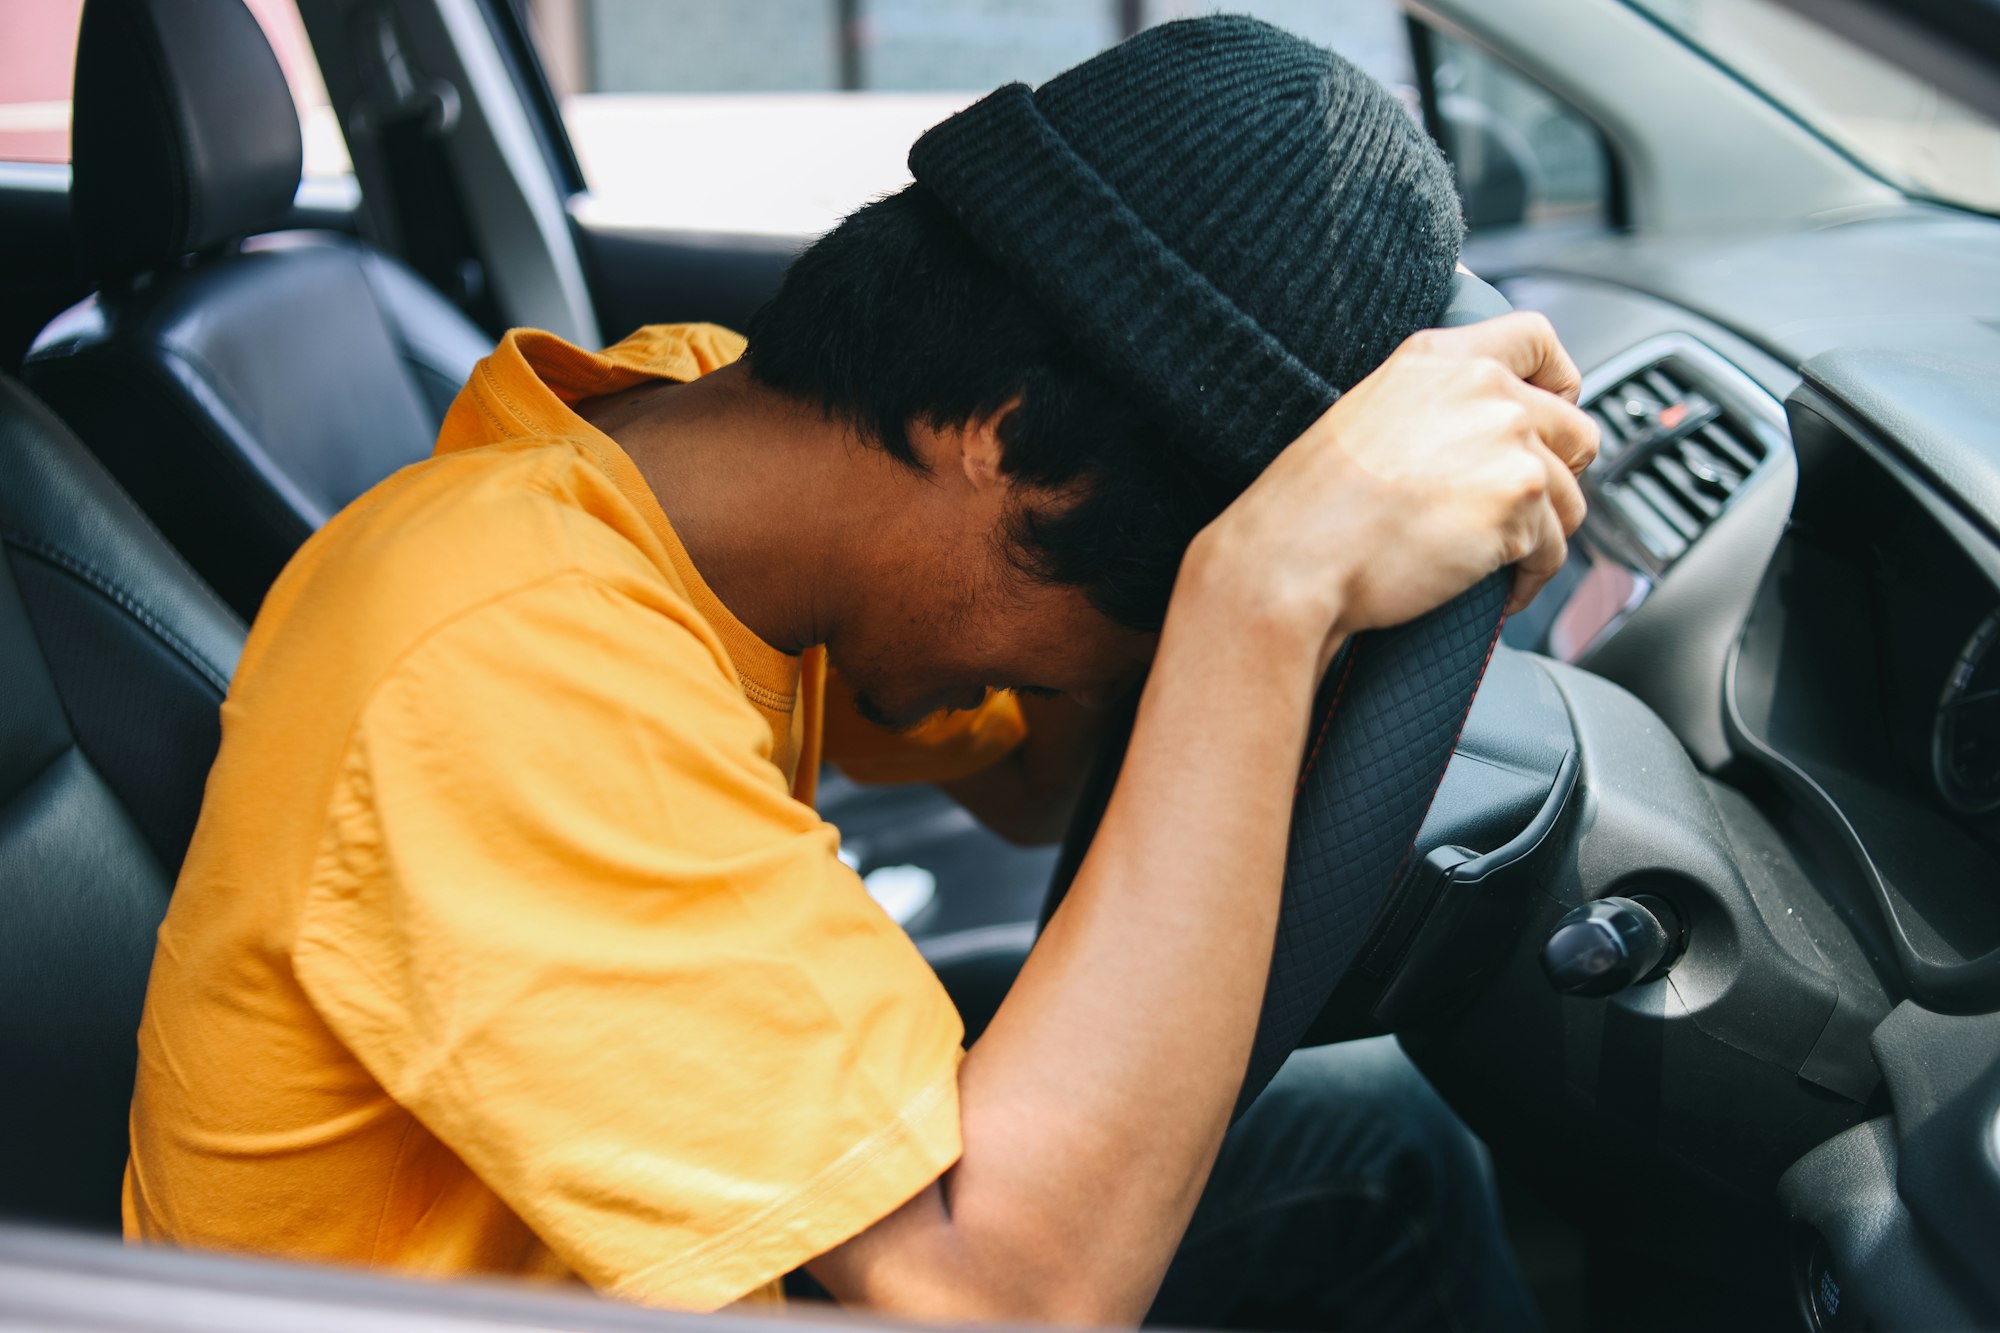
(1384,725)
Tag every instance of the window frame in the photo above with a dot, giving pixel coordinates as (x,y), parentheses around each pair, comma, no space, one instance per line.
(1425,57)
(508,20)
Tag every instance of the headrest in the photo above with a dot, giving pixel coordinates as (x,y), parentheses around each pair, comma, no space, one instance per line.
(183,133)
(1471,301)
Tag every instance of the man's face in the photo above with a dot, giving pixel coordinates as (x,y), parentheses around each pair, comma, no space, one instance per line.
(945,612)
(940,637)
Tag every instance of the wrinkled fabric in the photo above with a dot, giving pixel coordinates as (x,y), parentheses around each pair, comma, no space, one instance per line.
(508,941)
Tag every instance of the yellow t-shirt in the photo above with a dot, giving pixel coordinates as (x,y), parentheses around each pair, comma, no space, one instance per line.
(508,940)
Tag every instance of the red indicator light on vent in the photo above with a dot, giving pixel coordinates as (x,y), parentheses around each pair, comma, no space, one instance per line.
(1673,414)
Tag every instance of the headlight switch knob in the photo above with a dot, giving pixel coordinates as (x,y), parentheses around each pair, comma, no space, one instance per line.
(1607,945)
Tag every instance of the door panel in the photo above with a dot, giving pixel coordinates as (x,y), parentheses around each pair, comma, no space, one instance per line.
(671,277)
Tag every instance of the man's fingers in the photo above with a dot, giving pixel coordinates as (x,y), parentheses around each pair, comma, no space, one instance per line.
(1533,571)
(1570,433)
(1524,342)
(1565,496)
(1526,345)
(1558,515)
(1524,591)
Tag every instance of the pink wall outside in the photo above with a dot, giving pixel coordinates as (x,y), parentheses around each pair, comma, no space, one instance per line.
(37,46)
(38,50)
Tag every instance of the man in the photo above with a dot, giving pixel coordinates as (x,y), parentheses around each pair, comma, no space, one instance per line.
(509,940)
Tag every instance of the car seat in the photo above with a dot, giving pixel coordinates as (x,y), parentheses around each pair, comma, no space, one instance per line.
(116,658)
(241,390)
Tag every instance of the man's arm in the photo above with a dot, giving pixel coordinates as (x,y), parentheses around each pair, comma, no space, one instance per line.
(1092,1108)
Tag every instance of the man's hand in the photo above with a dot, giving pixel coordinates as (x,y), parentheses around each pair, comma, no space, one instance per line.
(1092,1108)
(1458,456)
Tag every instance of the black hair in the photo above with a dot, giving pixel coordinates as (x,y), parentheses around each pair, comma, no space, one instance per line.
(893,317)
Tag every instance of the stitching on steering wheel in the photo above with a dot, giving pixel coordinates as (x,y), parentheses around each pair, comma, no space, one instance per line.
(1326,723)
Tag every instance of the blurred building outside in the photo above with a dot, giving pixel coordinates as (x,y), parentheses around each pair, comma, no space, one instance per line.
(781,116)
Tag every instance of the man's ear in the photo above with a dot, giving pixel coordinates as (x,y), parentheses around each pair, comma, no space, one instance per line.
(982,447)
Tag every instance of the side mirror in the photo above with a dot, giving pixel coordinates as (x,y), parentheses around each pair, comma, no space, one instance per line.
(1494,165)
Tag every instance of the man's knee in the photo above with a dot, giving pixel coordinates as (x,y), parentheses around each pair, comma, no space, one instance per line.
(1362,1111)
(1350,1189)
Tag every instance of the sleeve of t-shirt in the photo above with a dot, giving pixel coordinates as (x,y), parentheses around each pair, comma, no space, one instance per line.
(941,748)
(568,914)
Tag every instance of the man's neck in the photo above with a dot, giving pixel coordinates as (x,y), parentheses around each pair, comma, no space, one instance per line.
(761,490)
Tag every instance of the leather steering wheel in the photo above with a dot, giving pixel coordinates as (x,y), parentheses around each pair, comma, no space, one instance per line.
(1384,726)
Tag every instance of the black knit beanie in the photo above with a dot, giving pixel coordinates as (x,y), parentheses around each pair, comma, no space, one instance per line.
(1233,225)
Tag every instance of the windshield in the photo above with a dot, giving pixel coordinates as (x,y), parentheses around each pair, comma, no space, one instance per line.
(1890,121)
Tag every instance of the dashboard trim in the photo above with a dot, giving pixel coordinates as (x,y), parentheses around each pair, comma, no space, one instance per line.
(1671,646)
(1965,985)
(1754,405)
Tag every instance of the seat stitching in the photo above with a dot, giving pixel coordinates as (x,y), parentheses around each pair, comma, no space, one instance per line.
(259,493)
(131,605)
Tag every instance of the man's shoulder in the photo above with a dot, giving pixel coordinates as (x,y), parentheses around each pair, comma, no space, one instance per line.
(474,522)
(462,534)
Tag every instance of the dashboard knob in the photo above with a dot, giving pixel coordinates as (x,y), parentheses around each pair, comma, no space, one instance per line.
(1607,945)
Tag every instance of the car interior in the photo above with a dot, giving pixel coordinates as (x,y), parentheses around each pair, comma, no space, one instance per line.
(221,392)
(1701,930)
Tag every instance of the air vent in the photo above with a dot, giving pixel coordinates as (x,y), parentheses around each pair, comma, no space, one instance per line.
(1673,457)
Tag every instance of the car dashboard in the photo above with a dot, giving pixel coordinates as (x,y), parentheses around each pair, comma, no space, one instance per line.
(1865,684)
(1792,560)
(1809,599)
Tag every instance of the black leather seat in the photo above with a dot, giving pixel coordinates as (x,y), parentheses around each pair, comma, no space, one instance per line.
(115,658)
(241,391)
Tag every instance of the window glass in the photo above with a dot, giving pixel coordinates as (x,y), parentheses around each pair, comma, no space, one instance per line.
(1901,126)
(1521,156)
(37,48)
(783,116)
(38,65)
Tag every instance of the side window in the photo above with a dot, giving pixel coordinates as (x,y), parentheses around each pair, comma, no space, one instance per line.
(783,116)
(37,51)
(38,64)
(1522,157)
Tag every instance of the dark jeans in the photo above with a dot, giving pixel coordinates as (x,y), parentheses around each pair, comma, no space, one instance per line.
(1347,1197)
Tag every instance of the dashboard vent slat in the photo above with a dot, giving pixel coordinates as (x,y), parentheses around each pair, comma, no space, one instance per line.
(1672,458)
(1666,505)
(1661,385)
(1673,470)
(1729,444)
(1653,531)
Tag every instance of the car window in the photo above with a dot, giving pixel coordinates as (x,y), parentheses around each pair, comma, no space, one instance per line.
(783,116)
(1904,128)
(38,63)
(1522,157)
